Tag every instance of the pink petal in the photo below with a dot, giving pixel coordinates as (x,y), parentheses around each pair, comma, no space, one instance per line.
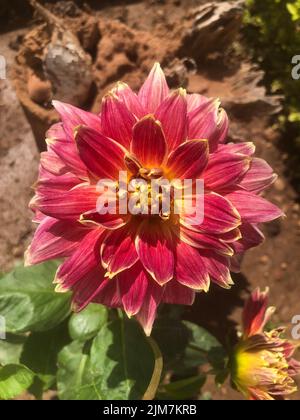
(225,170)
(259,177)
(154,90)
(208,122)
(54,239)
(72,117)
(118,251)
(116,120)
(256,313)
(133,285)
(47,181)
(63,146)
(149,143)
(294,368)
(129,98)
(190,270)
(218,269)
(172,113)
(85,259)
(67,205)
(219,216)
(108,294)
(204,241)
(154,245)
(194,100)
(189,160)
(230,237)
(251,237)
(52,163)
(107,221)
(93,288)
(252,208)
(176,294)
(102,156)
(147,313)
(245,148)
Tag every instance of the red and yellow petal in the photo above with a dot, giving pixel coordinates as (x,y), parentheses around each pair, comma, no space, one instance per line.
(154,90)
(155,248)
(148,143)
(117,120)
(172,113)
(189,160)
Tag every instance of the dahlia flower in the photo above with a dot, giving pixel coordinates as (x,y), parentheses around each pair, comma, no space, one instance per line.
(137,261)
(262,365)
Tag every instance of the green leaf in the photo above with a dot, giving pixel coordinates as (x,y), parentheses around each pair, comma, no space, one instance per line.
(11,349)
(172,337)
(28,300)
(201,344)
(185,345)
(75,381)
(41,350)
(14,379)
(120,364)
(183,389)
(86,324)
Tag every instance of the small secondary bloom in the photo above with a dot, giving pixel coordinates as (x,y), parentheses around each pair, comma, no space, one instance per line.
(137,261)
(262,365)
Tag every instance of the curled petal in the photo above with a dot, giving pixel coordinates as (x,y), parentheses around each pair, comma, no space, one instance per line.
(259,177)
(225,170)
(149,143)
(133,285)
(118,251)
(129,98)
(102,156)
(172,113)
(189,160)
(190,270)
(256,313)
(251,237)
(154,90)
(155,248)
(147,313)
(116,120)
(252,208)
(218,268)
(54,239)
(209,122)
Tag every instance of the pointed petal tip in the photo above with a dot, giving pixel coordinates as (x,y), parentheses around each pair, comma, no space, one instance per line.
(60,289)
(27,258)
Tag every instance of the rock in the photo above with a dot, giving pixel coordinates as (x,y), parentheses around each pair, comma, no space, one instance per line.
(65,63)
(177,73)
(214,27)
(39,90)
